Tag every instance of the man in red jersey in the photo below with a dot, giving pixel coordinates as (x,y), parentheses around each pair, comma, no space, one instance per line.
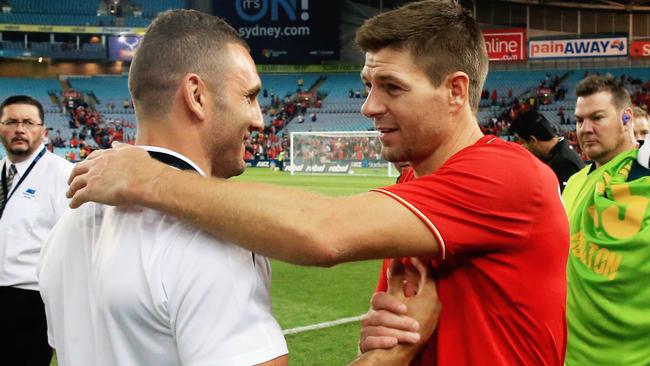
(485,213)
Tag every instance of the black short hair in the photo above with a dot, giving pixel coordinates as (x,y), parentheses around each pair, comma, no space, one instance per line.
(24,99)
(532,123)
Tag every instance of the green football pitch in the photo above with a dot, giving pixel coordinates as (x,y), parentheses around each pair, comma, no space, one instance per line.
(305,296)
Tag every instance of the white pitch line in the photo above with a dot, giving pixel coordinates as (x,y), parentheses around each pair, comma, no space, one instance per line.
(322,325)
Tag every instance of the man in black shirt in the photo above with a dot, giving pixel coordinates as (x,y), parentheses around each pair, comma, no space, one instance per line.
(539,138)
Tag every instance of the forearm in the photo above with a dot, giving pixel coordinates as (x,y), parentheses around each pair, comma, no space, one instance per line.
(282,226)
(396,356)
(288,224)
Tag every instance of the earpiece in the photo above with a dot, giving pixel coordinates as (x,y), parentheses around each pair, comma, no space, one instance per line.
(626,118)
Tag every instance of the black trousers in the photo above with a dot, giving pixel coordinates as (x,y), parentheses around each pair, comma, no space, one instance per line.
(24,328)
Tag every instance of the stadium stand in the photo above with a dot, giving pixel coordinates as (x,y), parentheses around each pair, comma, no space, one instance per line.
(335,110)
(71,19)
(320,102)
(59,50)
(86,13)
(151,8)
(283,85)
(333,122)
(109,91)
(54,7)
(37,88)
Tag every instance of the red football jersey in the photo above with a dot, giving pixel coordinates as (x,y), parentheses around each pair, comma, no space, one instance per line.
(503,233)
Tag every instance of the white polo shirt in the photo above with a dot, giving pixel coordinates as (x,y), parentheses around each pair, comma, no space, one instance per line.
(137,287)
(31,212)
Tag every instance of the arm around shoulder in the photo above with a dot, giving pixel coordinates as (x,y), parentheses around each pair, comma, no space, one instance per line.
(293,225)
(289,224)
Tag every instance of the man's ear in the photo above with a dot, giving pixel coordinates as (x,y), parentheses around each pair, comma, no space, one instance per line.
(533,140)
(458,86)
(194,95)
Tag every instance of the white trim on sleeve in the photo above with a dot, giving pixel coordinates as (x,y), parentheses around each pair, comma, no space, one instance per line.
(421,216)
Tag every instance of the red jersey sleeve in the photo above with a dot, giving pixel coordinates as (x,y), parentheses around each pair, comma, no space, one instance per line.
(482,199)
(382,284)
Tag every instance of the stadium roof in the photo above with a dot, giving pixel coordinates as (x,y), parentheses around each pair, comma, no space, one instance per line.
(629,5)
(622,5)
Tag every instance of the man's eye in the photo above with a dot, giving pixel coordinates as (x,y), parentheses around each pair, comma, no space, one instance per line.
(392,88)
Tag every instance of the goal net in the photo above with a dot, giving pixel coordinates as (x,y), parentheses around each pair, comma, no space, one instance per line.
(338,152)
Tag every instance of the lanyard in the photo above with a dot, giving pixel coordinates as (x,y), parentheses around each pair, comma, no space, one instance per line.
(22,178)
(171,160)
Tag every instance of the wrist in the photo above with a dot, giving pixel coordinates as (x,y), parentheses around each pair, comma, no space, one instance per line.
(402,354)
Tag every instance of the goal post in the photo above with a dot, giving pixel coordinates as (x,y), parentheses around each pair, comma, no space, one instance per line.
(338,153)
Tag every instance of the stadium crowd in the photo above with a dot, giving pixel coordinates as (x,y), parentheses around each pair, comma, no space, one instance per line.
(319,149)
(91,130)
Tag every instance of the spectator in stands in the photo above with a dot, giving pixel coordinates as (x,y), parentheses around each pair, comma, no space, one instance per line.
(33,199)
(74,141)
(71,156)
(608,300)
(279,161)
(641,125)
(58,140)
(481,211)
(84,151)
(83,134)
(540,139)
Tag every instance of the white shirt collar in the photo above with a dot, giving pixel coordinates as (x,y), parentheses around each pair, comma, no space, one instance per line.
(173,153)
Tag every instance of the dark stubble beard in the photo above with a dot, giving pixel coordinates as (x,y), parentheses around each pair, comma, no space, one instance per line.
(17,152)
(21,153)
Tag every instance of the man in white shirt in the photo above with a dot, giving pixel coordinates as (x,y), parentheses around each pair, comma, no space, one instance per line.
(33,199)
(138,287)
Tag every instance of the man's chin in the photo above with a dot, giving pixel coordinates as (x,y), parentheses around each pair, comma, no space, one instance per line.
(226,173)
(593,155)
(19,152)
(239,171)
(392,156)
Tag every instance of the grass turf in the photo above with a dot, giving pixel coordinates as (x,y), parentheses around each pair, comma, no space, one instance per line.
(303,296)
